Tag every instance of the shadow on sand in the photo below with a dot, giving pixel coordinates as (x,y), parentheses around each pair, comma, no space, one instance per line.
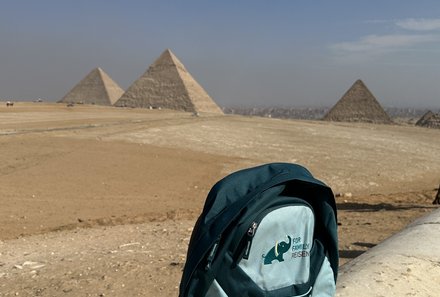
(364,207)
(351,254)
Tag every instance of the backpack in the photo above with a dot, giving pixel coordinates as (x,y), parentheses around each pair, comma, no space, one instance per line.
(267,231)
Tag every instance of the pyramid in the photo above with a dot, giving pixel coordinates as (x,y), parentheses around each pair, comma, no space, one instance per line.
(358,105)
(429,120)
(167,84)
(96,88)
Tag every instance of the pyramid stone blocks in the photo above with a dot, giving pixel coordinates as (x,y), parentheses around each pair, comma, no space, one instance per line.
(358,104)
(429,120)
(167,84)
(96,88)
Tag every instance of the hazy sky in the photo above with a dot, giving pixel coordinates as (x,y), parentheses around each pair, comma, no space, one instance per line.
(280,52)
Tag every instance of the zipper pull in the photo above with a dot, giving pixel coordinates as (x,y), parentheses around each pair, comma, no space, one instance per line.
(250,235)
(211,256)
(252,229)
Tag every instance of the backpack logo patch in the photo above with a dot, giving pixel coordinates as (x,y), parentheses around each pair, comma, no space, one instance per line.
(295,245)
(277,252)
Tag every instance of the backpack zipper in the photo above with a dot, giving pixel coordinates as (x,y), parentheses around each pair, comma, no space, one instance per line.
(254,225)
(250,235)
(211,255)
(253,229)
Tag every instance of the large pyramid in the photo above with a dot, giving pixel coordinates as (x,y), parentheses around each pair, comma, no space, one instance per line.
(96,88)
(430,120)
(358,105)
(167,84)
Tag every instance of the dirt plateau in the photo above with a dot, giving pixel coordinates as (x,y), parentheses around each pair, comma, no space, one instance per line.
(101,201)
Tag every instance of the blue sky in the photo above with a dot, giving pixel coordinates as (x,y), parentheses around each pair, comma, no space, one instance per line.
(283,52)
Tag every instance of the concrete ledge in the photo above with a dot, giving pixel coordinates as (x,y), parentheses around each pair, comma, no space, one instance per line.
(406,264)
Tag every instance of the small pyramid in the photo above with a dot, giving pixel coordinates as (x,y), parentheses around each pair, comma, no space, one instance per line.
(96,88)
(429,120)
(167,84)
(358,104)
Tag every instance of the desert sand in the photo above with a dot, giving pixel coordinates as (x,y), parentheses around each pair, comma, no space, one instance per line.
(101,201)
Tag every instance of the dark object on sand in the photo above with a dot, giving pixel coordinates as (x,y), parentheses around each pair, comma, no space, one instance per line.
(437,197)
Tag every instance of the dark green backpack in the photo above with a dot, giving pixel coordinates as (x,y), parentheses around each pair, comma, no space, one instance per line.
(268,231)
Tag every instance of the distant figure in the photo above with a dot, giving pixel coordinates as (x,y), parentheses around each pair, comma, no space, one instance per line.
(9,103)
(70,104)
(437,197)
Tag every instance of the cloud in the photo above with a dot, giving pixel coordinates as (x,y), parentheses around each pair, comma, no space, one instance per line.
(419,24)
(382,43)
(418,37)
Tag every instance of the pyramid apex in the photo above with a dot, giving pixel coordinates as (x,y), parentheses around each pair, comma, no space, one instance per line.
(429,113)
(100,71)
(168,51)
(359,82)
(167,58)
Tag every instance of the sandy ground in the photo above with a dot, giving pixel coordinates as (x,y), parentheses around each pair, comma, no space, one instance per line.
(99,201)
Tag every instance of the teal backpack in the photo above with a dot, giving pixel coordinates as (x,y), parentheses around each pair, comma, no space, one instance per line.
(268,231)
